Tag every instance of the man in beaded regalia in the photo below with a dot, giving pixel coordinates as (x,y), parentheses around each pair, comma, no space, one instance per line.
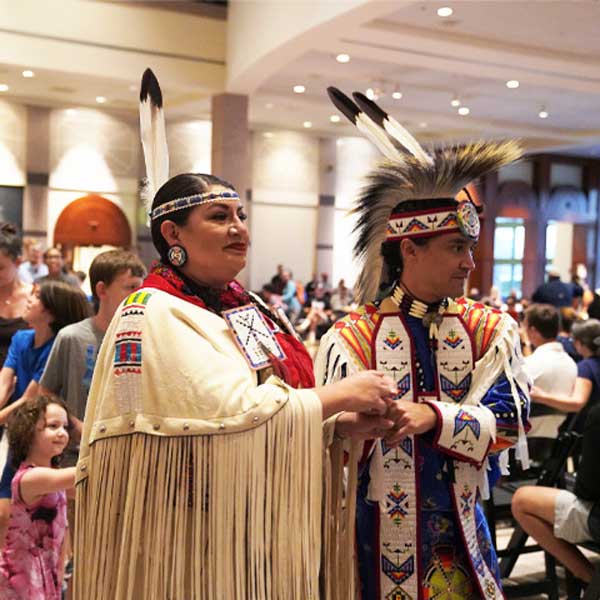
(413,527)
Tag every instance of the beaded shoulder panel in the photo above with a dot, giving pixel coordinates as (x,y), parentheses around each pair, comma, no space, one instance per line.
(356,332)
(482,322)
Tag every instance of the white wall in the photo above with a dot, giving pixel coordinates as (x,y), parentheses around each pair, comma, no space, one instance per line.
(354,158)
(285,196)
(93,152)
(13,127)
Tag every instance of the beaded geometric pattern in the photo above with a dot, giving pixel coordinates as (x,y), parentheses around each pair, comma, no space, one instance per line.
(194,200)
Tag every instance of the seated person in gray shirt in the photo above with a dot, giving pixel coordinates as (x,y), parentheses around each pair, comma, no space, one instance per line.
(68,372)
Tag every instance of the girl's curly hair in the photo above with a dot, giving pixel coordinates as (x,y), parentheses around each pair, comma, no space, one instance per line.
(21,427)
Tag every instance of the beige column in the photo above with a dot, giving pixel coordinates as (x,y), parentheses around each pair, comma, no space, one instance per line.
(230,140)
(35,197)
(230,149)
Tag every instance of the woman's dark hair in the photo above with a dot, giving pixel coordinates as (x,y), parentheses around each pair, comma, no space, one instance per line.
(180,186)
(390,251)
(587,333)
(66,303)
(22,423)
(10,241)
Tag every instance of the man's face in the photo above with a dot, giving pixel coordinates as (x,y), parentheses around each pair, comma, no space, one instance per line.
(442,265)
(54,261)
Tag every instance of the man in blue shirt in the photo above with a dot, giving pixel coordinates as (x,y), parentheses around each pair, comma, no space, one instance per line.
(554,291)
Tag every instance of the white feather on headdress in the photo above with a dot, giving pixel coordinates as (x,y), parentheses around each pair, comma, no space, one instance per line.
(154,138)
(415,175)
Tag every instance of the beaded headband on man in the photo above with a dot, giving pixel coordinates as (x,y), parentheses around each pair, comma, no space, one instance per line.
(194,200)
(425,223)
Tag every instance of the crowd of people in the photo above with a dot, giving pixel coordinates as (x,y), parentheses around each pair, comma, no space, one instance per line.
(51,333)
(212,457)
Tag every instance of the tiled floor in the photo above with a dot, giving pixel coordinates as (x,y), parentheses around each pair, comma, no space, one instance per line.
(530,567)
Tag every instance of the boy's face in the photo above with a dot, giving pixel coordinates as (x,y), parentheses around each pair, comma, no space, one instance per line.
(122,285)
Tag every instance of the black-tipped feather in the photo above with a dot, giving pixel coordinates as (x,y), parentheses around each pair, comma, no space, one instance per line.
(370,108)
(344,104)
(151,88)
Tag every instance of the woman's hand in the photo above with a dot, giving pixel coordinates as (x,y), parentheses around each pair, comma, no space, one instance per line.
(362,427)
(367,392)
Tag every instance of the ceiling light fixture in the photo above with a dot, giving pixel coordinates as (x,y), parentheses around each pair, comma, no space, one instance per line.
(307,124)
(444,11)
(543,114)
(267,134)
(455,102)
(343,58)
(3,87)
(512,84)
(464,111)
(299,89)
(370,93)
(269,105)
(100,99)
(335,118)
(397,95)
(422,124)
(28,74)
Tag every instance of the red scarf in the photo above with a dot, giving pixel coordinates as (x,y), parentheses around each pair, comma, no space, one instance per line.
(296,369)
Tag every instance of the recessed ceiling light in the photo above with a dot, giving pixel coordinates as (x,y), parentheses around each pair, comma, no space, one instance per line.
(71,111)
(299,89)
(269,105)
(455,102)
(464,111)
(543,114)
(100,99)
(397,95)
(444,11)
(28,74)
(512,84)
(343,58)
(422,124)
(267,134)
(307,124)
(370,93)
(3,87)
(334,118)
(133,88)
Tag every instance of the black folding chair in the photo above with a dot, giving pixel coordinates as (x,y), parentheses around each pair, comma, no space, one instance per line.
(549,475)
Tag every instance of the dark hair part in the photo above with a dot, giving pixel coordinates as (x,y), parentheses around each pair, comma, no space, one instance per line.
(392,257)
(545,319)
(588,334)
(66,303)
(10,241)
(22,423)
(106,267)
(180,186)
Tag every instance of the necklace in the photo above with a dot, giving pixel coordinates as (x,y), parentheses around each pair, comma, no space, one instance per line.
(430,314)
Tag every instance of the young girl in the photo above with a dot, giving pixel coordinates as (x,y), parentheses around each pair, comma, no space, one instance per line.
(30,560)
(51,306)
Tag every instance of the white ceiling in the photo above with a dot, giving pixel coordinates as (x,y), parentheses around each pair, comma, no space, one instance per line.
(551,47)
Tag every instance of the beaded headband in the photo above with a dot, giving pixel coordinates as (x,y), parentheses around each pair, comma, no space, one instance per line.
(425,223)
(194,200)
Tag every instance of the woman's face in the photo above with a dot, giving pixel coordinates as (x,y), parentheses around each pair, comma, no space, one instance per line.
(8,269)
(216,240)
(35,312)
